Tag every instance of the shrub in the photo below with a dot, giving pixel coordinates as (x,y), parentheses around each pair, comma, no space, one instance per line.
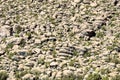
(100,34)
(95,76)
(3,75)
(19,74)
(72,77)
(117,77)
(105,78)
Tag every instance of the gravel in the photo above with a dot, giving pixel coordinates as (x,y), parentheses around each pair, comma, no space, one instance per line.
(49,39)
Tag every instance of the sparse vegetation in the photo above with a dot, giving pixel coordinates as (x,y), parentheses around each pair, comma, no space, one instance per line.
(100,34)
(118,69)
(41,61)
(87,54)
(105,78)
(11,54)
(3,75)
(59,37)
(72,77)
(54,53)
(88,43)
(104,71)
(9,46)
(20,74)
(22,43)
(47,64)
(95,76)
(18,29)
(117,35)
(75,53)
(113,59)
(72,62)
(117,77)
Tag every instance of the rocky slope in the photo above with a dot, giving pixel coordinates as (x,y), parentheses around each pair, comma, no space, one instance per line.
(59,39)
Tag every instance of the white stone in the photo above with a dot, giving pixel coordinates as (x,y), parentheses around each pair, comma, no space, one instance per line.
(93,4)
(15,47)
(67,72)
(53,64)
(21,67)
(73,18)
(43,77)
(2,52)
(71,68)
(2,46)
(51,0)
(113,73)
(4,31)
(37,70)
(53,74)
(37,50)
(77,1)
(63,63)
(37,40)
(59,74)
(27,76)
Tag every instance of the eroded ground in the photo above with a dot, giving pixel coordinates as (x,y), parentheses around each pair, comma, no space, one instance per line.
(59,39)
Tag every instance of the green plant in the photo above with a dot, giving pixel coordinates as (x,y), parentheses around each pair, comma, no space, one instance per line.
(19,74)
(94,76)
(2,15)
(103,28)
(47,64)
(108,59)
(75,52)
(113,59)
(71,34)
(105,71)
(112,24)
(35,72)
(91,60)
(22,43)
(69,77)
(72,62)
(54,53)
(29,34)
(87,43)
(41,61)
(45,49)
(87,54)
(3,75)
(110,47)
(113,46)
(117,35)
(18,29)
(105,78)
(11,54)
(118,69)
(35,15)
(4,40)
(72,77)
(10,45)
(17,18)
(1,58)
(117,77)
(100,34)
(16,35)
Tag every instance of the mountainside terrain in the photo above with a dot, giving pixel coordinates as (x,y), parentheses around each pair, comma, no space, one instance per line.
(59,40)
